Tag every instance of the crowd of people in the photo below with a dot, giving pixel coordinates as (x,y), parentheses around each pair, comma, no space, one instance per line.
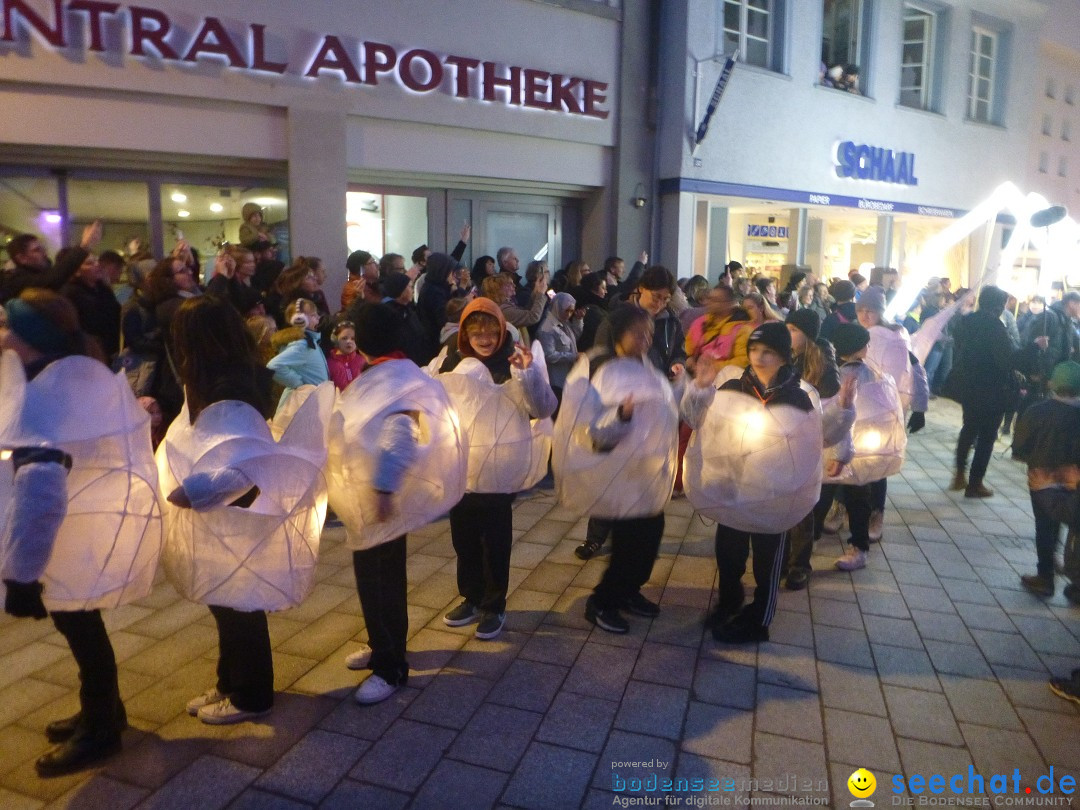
(637,370)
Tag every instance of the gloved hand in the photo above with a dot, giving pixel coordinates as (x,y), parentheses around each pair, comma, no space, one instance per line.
(24,600)
(917,421)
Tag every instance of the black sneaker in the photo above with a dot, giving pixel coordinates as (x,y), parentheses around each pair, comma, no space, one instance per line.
(638,605)
(797,579)
(1068,688)
(720,615)
(1072,593)
(465,613)
(607,618)
(491,624)
(588,549)
(1040,586)
(82,750)
(740,632)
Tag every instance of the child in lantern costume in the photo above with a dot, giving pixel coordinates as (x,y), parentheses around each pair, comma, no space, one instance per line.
(503,400)
(879,440)
(755,460)
(614,455)
(81,526)
(396,462)
(244,510)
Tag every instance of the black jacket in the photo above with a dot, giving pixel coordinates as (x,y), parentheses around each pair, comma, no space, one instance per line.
(1048,434)
(842,313)
(785,389)
(99,313)
(981,376)
(1056,325)
(53,277)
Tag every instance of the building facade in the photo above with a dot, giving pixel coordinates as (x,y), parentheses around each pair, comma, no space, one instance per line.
(354,125)
(850,133)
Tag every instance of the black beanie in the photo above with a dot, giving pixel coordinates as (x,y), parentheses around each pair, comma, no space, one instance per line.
(848,338)
(774,335)
(394,284)
(377,327)
(806,321)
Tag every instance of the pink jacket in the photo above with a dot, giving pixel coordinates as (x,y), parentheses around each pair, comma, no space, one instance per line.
(344,368)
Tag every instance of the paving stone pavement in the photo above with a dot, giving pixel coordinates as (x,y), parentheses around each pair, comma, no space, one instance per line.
(930,660)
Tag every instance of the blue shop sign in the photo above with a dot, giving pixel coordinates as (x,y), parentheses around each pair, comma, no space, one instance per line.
(767,231)
(875,163)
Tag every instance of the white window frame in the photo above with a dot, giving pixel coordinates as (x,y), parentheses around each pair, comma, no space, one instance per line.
(743,35)
(929,43)
(856,27)
(978,35)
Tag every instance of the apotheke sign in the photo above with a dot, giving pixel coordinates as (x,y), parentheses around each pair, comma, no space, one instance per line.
(141,31)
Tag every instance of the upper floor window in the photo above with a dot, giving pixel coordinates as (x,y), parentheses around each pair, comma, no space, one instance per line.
(981,74)
(1066,130)
(1051,87)
(1070,95)
(844,43)
(1044,163)
(1048,124)
(751,26)
(1063,166)
(918,54)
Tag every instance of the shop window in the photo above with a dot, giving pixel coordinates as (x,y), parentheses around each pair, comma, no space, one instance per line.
(1048,124)
(1063,166)
(208,217)
(30,205)
(122,207)
(385,223)
(845,42)
(982,74)
(755,29)
(1044,162)
(921,52)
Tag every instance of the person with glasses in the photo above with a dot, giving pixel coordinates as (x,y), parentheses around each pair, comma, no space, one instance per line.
(481,523)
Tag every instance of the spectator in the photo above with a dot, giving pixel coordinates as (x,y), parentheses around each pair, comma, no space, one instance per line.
(302,361)
(355,285)
(344,363)
(618,287)
(843,294)
(267,265)
(399,298)
(591,298)
(559,340)
(501,289)
(438,290)
(252,229)
(99,311)
(482,268)
(31,266)
(454,308)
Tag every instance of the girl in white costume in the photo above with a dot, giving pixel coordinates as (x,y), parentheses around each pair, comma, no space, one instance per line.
(614,456)
(81,528)
(496,388)
(396,462)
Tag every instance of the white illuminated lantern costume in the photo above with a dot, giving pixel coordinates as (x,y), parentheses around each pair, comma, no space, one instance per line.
(753,467)
(889,353)
(431,485)
(260,557)
(635,478)
(508,451)
(879,434)
(106,550)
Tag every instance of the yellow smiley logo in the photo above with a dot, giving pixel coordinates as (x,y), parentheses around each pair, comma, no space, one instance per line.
(862,784)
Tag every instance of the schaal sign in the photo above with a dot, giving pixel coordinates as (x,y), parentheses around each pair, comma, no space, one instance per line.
(875,163)
(153,34)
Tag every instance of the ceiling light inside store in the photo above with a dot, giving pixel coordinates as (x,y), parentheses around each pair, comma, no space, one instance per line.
(183,214)
(52,218)
(217,208)
(178,197)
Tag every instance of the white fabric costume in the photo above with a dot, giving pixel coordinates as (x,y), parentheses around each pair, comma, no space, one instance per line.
(106,549)
(634,478)
(888,353)
(879,433)
(508,451)
(260,557)
(433,483)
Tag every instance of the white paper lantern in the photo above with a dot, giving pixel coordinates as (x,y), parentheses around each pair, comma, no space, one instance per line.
(434,483)
(754,467)
(261,557)
(888,353)
(636,477)
(879,434)
(508,451)
(106,550)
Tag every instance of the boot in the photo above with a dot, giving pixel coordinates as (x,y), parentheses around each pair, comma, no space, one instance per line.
(60,731)
(83,749)
(977,489)
(959,481)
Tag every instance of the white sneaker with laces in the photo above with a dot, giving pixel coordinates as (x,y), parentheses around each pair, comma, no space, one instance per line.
(225,713)
(834,520)
(207,698)
(853,560)
(877,526)
(359,659)
(374,690)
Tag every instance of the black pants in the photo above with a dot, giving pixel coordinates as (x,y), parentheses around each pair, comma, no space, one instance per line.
(99,692)
(878,490)
(980,428)
(245,667)
(801,545)
(598,530)
(381,583)
(634,545)
(732,549)
(857,502)
(481,529)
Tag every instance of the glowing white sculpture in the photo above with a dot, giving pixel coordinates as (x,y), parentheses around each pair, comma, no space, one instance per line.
(879,434)
(106,551)
(508,451)
(434,483)
(260,557)
(887,353)
(753,467)
(635,478)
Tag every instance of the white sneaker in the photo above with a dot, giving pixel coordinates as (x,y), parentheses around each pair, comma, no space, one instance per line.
(877,526)
(374,690)
(207,698)
(853,560)
(225,713)
(359,659)
(834,520)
